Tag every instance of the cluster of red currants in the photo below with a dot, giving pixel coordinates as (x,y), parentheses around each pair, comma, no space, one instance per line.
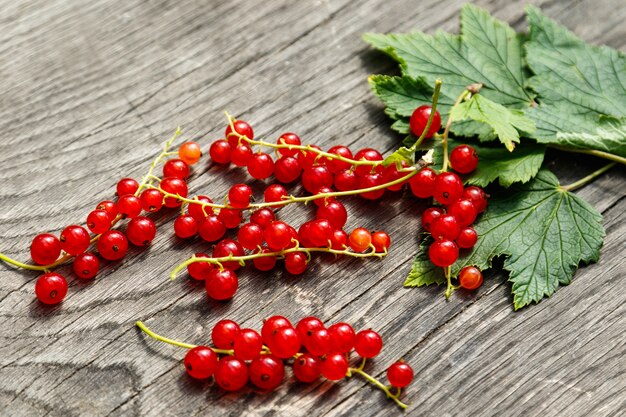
(111,244)
(314,349)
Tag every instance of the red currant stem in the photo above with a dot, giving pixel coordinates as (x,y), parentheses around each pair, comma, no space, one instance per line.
(379,385)
(164,339)
(449,288)
(446,131)
(433,111)
(279,254)
(586,180)
(600,154)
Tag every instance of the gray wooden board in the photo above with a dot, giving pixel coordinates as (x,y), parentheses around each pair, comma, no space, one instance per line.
(91,89)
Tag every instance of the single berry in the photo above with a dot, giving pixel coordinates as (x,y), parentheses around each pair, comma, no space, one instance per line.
(360,239)
(319,343)
(239,195)
(230,217)
(342,338)
(260,166)
(250,235)
(448,188)
(335,213)
(74,239)
(247,345)
(274,193)
(231,373)
(320,232)
(316,177)
(337,165)
(127,186)
(271,325)
(221,285)
(295,263)
(176,168)
(429,216)
(189,152)
(288,139)
(241,128)
(381,241)
(267,372)
(220,151)
(445,227)
(225,248)
(370,181)
(200,270)
(211,229)
(200,362)
(400,374)
(423,183)
(151,200)
(419,119)
(477,196)
(86,265)
(141,231)
(307,326)
(346,180)
(467,238)
(277,235)
(368,154)
(263,217)
(197,210)
(112,245)
(334,367)
(304,235)
(110,207)
(368,343)
(470,278)
(284,342)
(45,249)
(443,253)
(98,221)
(321,202)
(174,186)
(240,155)
(464,211)
(339,240)
(264,263)
(224,333)
(307,368)
(185,226)
(129,206)
(309,157)
(287,169)
(463,159)
(51,288)
(391,174)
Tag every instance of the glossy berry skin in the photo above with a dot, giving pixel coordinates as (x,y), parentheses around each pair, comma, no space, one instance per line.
(381,241)
(368,154)
(287,169)
(284,342)
(463,159)
(185,226)
(272,324)
(336,165)
(231,373)
(230,217)
(346,180)
(260,166)
(126,186)
(335,213)
(477,196)
(316,177)
(45,249)
(360,239)
(176,168)
(467,238)
(274,193)
(197,210)
(112,245)
(98,221)
(308,158)
(399,374)
(250,235)
(464,211)
(334,367)
(110,207)
(263,217)
(212,229)
(174,186)
(220,151)
(443,253)
(141,231)
(295,263)
(339,240)
(342,338)
(369,181)
(74,239)
(448,188)
(319,343)
(304,235)
(277,235)
(391,173)
(247,345)
(419,119)
(200,362)
(86,265)
(221,285)
(239,195)
(267,372)
(445,227)
(320,232)
(470,278)
(321,202)
(429,215)
(288,139)
(240,127)
(200,270)
(368,343)
(190,152)
(240,155)
(265,263)
(224,333)
(51,288)
(151,200)
(129,206)
(307,326)
(423,183)
(228,247)
(307,368)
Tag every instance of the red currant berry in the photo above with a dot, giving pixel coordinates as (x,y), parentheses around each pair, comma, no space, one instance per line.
(274,193)
(271,325)
(248,344)
(241,129)
(220,151)
(45,249)
(267,372)
(98,221)
(224,333)
(86,265)
(277,235)
(112,245)
(263,217)
(477,196)
(74,239)
(342,337)
(141,231)
(391,174)
(334,367)
(319,343)
(316,177)
(231,374)
(284,342)
(339,240)
(400,374)
(197,210)
(304,235)
(470,278)
(226,248)
(369,181)
(239,195)
(129,206)
(423,183)
(288,139)
(265,263)
(110,207)
(230,217)
(51,288)
(360,239)
(307,368)
(200,362)
(287,169)
(185,226)
(250,235)
(381,241)
(464,211)
(176,168)
(190,152)
(241,155)
(308,158)
(307,326)
(336,165)
(368,343)
(346,180)
(174,186)
(463,159)
(260,166)
(127,186)
(448,188)
(467,238)
(335,213)
(151,200)
(211,229)
(295,263)
(443,253)
(200,270)
(368,154)
(221,285)
(321,202)
(445,227)
(429,216)
(320,233)
(419,120)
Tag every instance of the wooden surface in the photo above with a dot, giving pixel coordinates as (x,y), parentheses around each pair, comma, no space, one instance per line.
(90,89)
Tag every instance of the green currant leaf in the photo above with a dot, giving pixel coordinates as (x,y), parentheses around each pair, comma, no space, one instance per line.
(578,84)
(401,154)
(423,272)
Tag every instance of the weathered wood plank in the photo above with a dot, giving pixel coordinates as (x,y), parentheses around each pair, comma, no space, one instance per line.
(91,89)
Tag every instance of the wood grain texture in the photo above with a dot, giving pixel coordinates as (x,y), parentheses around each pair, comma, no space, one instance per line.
(91,89)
